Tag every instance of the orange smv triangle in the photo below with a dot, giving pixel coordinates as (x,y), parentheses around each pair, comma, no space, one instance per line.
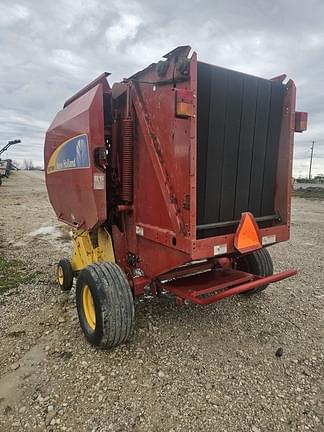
(247,236)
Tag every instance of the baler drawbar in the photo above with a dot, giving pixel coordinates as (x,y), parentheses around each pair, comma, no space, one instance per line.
(176,179)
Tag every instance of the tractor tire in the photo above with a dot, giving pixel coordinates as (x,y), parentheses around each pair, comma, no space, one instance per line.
(65,274)
(258,263)
(105,305)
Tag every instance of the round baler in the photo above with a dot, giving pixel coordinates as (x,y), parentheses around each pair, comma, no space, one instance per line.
(176,179)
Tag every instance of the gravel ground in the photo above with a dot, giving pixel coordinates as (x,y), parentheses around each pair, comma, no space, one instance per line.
(186,369)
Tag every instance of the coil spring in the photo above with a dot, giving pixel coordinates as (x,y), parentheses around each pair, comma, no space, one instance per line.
(127,160)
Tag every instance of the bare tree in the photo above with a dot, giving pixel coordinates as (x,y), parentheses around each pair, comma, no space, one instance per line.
(28,165)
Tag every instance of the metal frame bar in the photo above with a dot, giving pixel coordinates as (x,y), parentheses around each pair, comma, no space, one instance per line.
(227,290)
(236,222)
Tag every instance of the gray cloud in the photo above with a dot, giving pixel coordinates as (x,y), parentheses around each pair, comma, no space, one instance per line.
(48,50)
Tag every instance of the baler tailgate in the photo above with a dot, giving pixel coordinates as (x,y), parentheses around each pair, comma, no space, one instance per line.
(212,286)
(239,119)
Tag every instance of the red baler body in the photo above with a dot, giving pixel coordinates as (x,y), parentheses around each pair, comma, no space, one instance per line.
(164,190)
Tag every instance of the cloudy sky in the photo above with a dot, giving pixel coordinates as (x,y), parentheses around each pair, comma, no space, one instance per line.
(50,49)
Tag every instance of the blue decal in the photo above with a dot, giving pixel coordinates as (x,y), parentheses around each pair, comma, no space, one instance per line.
(74,153)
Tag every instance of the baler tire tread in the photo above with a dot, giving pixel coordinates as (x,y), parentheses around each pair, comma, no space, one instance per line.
(114,304)
(67,274)
(259,263)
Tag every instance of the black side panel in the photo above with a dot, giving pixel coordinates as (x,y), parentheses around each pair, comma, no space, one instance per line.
(231,145)
(270,164)
(216,133)
(203,104)
(259,149)
(238,122)
(245,146)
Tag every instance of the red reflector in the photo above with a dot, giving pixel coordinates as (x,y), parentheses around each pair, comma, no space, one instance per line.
(247,236)
(184,103)
(301,121)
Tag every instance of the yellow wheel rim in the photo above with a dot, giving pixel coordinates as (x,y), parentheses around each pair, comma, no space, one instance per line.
(60,275)
(88,307)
